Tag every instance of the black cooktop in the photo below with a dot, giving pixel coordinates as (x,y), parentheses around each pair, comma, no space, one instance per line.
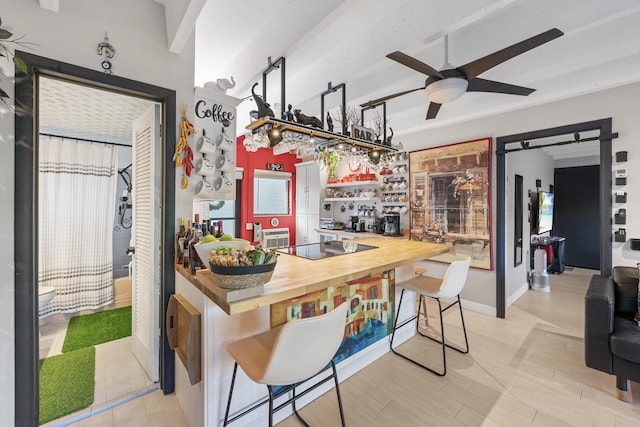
(321,250)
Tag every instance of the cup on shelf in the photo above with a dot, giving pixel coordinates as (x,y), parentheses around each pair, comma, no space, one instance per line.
(206,145)
(224,163)
(203,166)
(203,189)
(223,137)
(222,184)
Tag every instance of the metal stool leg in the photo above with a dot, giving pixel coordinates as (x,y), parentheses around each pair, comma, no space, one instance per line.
(335,378)
(270,405)
(233,380)
(295,410)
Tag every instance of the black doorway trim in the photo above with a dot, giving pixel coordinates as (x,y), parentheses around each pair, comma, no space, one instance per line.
(605,128)
(26,218)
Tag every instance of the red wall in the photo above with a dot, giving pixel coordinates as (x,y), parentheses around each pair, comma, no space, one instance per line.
(258,160)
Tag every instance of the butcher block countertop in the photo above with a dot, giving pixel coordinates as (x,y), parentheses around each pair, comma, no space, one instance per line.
(295,276)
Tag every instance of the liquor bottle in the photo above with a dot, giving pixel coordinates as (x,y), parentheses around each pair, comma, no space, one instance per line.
(219,231)
(179,250)
(185,246)
(194,260)
(205,228)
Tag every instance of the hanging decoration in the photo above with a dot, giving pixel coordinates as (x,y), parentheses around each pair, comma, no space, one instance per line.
(183,155)
(105,48)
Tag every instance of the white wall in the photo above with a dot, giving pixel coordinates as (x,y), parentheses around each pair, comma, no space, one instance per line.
(619,103)
(137,32)
(532,165)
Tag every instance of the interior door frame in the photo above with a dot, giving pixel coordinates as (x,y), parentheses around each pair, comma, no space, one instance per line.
(606,136)
(27,385)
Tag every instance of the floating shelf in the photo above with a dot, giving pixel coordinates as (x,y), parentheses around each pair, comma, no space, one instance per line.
(353,183)
(333,138)
(351,199)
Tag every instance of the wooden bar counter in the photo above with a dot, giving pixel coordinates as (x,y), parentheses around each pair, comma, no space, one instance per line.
(296,276)
(224,320)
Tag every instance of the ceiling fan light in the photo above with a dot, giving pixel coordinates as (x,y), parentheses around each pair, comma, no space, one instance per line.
(446,90)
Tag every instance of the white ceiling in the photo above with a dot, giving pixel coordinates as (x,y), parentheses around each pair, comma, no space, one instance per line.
(77,111)
(345,41)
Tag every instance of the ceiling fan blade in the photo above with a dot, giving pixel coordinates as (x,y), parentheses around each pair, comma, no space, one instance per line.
(475,68)
(433,110)
(483,85)
(384,98)
(413,63)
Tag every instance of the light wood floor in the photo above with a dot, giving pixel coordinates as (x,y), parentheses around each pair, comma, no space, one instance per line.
(527,369)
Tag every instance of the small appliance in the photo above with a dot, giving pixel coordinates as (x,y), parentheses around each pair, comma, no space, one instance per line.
(392,224)
(377,225)
(352,224)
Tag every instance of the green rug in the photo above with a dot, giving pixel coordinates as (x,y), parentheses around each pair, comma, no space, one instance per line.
(97,328)
(66,383)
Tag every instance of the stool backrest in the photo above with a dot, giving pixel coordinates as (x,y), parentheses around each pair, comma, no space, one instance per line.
(455,278)
(305,346)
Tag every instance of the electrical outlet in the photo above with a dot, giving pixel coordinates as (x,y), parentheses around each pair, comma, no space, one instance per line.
(248,226)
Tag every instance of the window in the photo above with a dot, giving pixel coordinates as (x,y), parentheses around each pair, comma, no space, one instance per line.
(271,192)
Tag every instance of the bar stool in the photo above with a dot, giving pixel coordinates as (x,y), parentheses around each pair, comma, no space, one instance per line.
(429,287)
(287,355)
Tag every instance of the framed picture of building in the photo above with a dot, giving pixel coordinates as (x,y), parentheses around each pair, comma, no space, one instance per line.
(451,200)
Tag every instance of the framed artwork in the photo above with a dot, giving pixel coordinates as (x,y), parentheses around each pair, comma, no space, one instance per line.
(370,315)
(451,200)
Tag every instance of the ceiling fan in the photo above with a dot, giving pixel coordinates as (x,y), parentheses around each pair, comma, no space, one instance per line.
(450,83)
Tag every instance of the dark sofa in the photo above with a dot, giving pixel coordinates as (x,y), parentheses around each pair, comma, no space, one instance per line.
(611,335)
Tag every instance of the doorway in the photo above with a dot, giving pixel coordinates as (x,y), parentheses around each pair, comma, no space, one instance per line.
(503,144)
(26,214)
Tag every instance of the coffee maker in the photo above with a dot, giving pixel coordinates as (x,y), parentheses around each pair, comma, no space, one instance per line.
(392,224)
(377,226)
(352,224)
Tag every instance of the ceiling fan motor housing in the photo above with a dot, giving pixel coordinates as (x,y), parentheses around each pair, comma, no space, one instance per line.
(452,87)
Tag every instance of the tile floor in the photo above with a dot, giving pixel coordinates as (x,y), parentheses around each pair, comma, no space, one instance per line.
(118,375)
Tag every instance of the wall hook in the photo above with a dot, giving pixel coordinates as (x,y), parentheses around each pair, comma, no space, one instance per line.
(105,48)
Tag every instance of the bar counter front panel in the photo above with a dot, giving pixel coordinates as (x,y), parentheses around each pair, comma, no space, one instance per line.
(298,288)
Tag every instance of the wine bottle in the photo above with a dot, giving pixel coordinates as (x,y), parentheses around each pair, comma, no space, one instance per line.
(179,250)
(185,247)
(219,231)
(194,260)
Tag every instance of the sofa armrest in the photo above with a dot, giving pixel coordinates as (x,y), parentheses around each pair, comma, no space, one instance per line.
(599,306)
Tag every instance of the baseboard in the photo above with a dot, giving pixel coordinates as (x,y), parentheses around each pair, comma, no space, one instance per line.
(517,294)
(479,308)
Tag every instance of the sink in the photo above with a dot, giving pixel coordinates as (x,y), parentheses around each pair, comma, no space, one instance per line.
(45,295)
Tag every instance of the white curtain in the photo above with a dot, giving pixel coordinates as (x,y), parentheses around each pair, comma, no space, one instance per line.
(77,184)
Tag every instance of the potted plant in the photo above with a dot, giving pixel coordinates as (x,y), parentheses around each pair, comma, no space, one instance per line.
(328,158)
(5,40)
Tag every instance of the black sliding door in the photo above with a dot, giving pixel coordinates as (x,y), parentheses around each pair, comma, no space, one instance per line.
(576,214)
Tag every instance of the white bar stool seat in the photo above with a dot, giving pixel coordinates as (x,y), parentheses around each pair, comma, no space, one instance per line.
(430,287)
(288,354)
